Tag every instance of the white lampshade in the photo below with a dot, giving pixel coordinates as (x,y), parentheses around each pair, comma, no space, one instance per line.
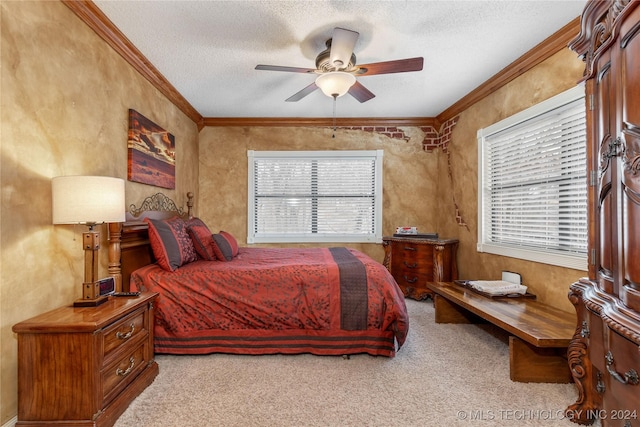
(335,83)
(87,199)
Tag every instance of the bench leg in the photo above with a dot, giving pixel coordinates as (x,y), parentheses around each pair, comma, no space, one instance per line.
(530,364)
(448,312)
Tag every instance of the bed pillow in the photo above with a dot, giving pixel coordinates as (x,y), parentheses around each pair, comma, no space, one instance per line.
(225,246)
(170,242)
(202,238)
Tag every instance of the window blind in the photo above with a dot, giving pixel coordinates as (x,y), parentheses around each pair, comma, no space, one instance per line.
(533,178)
(315,196)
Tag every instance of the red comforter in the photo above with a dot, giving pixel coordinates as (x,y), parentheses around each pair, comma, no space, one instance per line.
(277,300)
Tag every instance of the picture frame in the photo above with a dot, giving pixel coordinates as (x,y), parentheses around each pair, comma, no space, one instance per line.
(151,153)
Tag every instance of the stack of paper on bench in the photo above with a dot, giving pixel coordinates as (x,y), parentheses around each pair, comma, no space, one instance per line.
(497,287)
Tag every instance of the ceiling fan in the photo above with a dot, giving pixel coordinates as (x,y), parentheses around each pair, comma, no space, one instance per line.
(337,70)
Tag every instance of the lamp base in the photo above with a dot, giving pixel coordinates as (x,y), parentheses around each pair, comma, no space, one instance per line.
(90,302)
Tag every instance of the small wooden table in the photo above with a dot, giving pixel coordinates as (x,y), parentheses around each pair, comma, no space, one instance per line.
(539,333)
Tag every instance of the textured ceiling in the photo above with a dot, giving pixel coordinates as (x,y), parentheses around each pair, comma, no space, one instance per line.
(208,49)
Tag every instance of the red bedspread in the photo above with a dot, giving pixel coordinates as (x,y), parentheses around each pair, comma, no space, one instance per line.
(277,300)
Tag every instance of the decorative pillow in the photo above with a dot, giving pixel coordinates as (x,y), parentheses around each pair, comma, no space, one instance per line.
(202,238)
(225,246)
(170,242)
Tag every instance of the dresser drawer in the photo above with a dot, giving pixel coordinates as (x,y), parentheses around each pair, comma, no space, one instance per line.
(124,330)
(622,379)
(409,276)
(118,374)
(411,256)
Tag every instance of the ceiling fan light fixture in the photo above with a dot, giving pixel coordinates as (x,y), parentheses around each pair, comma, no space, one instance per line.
(335,83)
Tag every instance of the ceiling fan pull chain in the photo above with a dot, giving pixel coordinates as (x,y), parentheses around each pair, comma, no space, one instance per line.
(335,97)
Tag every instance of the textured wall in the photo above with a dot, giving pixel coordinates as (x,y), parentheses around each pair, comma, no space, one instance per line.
(555,75)
(410,174)
(65,97)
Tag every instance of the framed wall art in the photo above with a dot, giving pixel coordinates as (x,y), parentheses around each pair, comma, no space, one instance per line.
(151,153)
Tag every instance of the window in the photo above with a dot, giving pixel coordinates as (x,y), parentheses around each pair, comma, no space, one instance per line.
(315,196)
(532,196)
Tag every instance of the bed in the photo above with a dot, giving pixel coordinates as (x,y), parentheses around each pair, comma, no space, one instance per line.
(248,300)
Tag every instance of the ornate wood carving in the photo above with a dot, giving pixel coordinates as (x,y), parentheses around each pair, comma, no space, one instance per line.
(161,203)
(580,366)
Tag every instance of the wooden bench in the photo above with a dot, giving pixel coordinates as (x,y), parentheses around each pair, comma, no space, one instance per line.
(538,333)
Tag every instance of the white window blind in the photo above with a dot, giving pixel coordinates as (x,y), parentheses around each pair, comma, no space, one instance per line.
(533,187)
(315,196)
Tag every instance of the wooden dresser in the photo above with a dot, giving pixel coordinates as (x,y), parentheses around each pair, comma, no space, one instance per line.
(604,354)
(84,366)
(415,261)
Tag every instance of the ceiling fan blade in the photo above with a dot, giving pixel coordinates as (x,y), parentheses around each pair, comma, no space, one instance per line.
(304,92)
(389,67)
(287,69)
(361,93)
(342,44)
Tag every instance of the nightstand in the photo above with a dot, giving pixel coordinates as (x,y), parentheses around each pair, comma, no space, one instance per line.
(414,261)
(84,365)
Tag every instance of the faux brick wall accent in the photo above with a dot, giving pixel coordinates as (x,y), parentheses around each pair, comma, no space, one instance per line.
(434,139)
(445,138)
(440,140)
(390,131)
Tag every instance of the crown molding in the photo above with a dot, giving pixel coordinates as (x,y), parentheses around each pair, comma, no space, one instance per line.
(544,50)
(89,13)
(341,122)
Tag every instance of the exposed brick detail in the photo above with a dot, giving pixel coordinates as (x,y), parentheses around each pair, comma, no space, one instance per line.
(434,139)
(445,138)
(392,131)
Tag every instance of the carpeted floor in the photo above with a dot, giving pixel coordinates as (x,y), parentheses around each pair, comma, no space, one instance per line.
(445,375)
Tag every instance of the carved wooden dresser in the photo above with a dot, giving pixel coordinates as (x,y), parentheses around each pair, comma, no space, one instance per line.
(604,355)
(414,261)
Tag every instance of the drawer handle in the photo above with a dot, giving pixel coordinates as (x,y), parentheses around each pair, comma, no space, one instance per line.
(409,248)
(414,265)
(121,373)
(126,335)
(630,377)
(406,279)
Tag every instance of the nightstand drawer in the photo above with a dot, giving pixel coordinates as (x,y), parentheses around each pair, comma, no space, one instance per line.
(124,330)
(408,276)
(120,373)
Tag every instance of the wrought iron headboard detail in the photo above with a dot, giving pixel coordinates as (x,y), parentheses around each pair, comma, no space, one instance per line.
(162,203)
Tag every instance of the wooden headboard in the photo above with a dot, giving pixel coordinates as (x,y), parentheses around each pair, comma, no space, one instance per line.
(129,247)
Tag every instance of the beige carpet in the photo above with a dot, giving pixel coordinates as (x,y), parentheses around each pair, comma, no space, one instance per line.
(445,375)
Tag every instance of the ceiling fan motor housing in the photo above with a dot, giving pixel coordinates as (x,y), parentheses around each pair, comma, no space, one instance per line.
(324,64)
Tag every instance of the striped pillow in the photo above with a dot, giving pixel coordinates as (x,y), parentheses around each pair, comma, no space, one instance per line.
(170,242)
(225,246)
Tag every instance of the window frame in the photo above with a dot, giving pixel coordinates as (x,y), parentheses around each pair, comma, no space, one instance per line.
(485,244)
(374,237)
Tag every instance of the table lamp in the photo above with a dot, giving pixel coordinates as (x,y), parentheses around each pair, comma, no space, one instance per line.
(88,200)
